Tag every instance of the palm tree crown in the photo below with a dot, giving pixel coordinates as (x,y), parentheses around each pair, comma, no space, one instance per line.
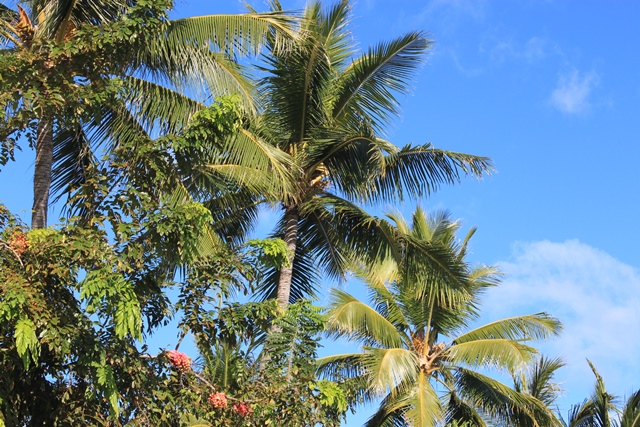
(416,354)
(162,61)
(324,106)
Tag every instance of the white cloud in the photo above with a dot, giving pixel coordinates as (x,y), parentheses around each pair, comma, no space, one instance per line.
(596,297)
(571,95)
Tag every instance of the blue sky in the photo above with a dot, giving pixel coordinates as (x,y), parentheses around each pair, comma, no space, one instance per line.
(550,90)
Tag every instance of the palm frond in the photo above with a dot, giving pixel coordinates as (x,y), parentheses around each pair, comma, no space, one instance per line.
(390,367)
(459,413)
(424,407)
(157,107)
(537,381)
(500,401)
(534,326)
(631,411)
(72,158)
(420,170)
(331,29)
(367,86)
(241,34)
(494,352)
(349,317)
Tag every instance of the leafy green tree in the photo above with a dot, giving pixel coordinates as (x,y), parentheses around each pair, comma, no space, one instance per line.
(417,355)
(323,107)
(76,305)
(226,387)
(73,77)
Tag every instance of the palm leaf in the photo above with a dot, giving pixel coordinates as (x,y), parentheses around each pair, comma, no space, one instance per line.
(72,158)
(499,401)
(367,86)
(388,368)
(424,404)
(232,34)
(420,170)
(153,104)
(631,412)
(533,326)
(347,316)
(502,353)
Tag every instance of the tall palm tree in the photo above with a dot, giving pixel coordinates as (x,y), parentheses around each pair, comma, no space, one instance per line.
(325,106)
(417,355)
(186,53)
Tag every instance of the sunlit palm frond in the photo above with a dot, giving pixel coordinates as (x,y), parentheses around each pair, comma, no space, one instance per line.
(250,150)
(241,34)
(387,368)
(349,317)
(194,70)
(534,326)
(501,353)
(424,407)
(603,403)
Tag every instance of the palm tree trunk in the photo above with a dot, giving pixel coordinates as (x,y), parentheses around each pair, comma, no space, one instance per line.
(42,174)
(291,217)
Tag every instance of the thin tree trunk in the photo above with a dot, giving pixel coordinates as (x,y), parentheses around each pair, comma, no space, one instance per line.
(291,217)
(42,174)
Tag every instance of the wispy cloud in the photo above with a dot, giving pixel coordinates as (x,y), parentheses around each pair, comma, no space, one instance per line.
(595,296)
(572,92)
(500,49)
(448,14)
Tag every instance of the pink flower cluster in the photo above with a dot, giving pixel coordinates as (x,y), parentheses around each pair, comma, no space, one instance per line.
(218,400)
(179,360)
(242,409)
(18,242)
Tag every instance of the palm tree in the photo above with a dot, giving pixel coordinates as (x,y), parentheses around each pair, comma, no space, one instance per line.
(417,355)
(185,53)
(324,106)
(537,382)
(596,410)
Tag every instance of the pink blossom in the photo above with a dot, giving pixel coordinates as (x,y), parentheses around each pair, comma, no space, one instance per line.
(179,360)
(242,408)
(218,400)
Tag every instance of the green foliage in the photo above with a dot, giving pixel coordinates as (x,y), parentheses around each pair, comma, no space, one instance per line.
(277,384)
(27,344)
(70,79)
(272,253)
